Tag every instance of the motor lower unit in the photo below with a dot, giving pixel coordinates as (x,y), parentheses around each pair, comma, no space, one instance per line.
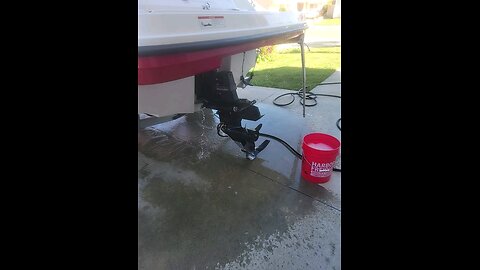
(217,90)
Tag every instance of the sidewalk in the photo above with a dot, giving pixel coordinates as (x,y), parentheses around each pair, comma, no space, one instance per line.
(318,36)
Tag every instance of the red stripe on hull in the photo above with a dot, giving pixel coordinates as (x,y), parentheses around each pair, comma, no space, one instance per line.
(164,68)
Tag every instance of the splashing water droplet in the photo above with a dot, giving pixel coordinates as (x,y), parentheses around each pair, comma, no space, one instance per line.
(203,138)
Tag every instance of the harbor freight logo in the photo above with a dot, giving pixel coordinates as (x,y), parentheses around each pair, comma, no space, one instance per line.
(321,169)
(211,21)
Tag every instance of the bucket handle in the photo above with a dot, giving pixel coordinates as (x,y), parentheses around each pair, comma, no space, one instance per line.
(304,158)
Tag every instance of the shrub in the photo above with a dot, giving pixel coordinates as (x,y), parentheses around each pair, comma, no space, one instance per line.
(265,54)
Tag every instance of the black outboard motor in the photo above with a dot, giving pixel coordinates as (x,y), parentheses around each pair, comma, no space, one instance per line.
(218,91)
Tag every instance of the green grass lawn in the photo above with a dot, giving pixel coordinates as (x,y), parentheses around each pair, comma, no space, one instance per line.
(285,68)
(335,21)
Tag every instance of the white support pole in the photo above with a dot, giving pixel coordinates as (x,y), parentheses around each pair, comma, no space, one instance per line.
(304,73)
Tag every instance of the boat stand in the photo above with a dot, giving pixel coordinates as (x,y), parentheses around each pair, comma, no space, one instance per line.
(304,72)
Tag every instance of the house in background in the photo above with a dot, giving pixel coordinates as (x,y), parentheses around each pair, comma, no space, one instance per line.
(333,11)
(309,9)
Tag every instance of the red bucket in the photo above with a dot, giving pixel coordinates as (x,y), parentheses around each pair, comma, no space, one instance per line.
(319,154)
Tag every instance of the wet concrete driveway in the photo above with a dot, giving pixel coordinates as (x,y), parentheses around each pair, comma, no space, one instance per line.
(202,205)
